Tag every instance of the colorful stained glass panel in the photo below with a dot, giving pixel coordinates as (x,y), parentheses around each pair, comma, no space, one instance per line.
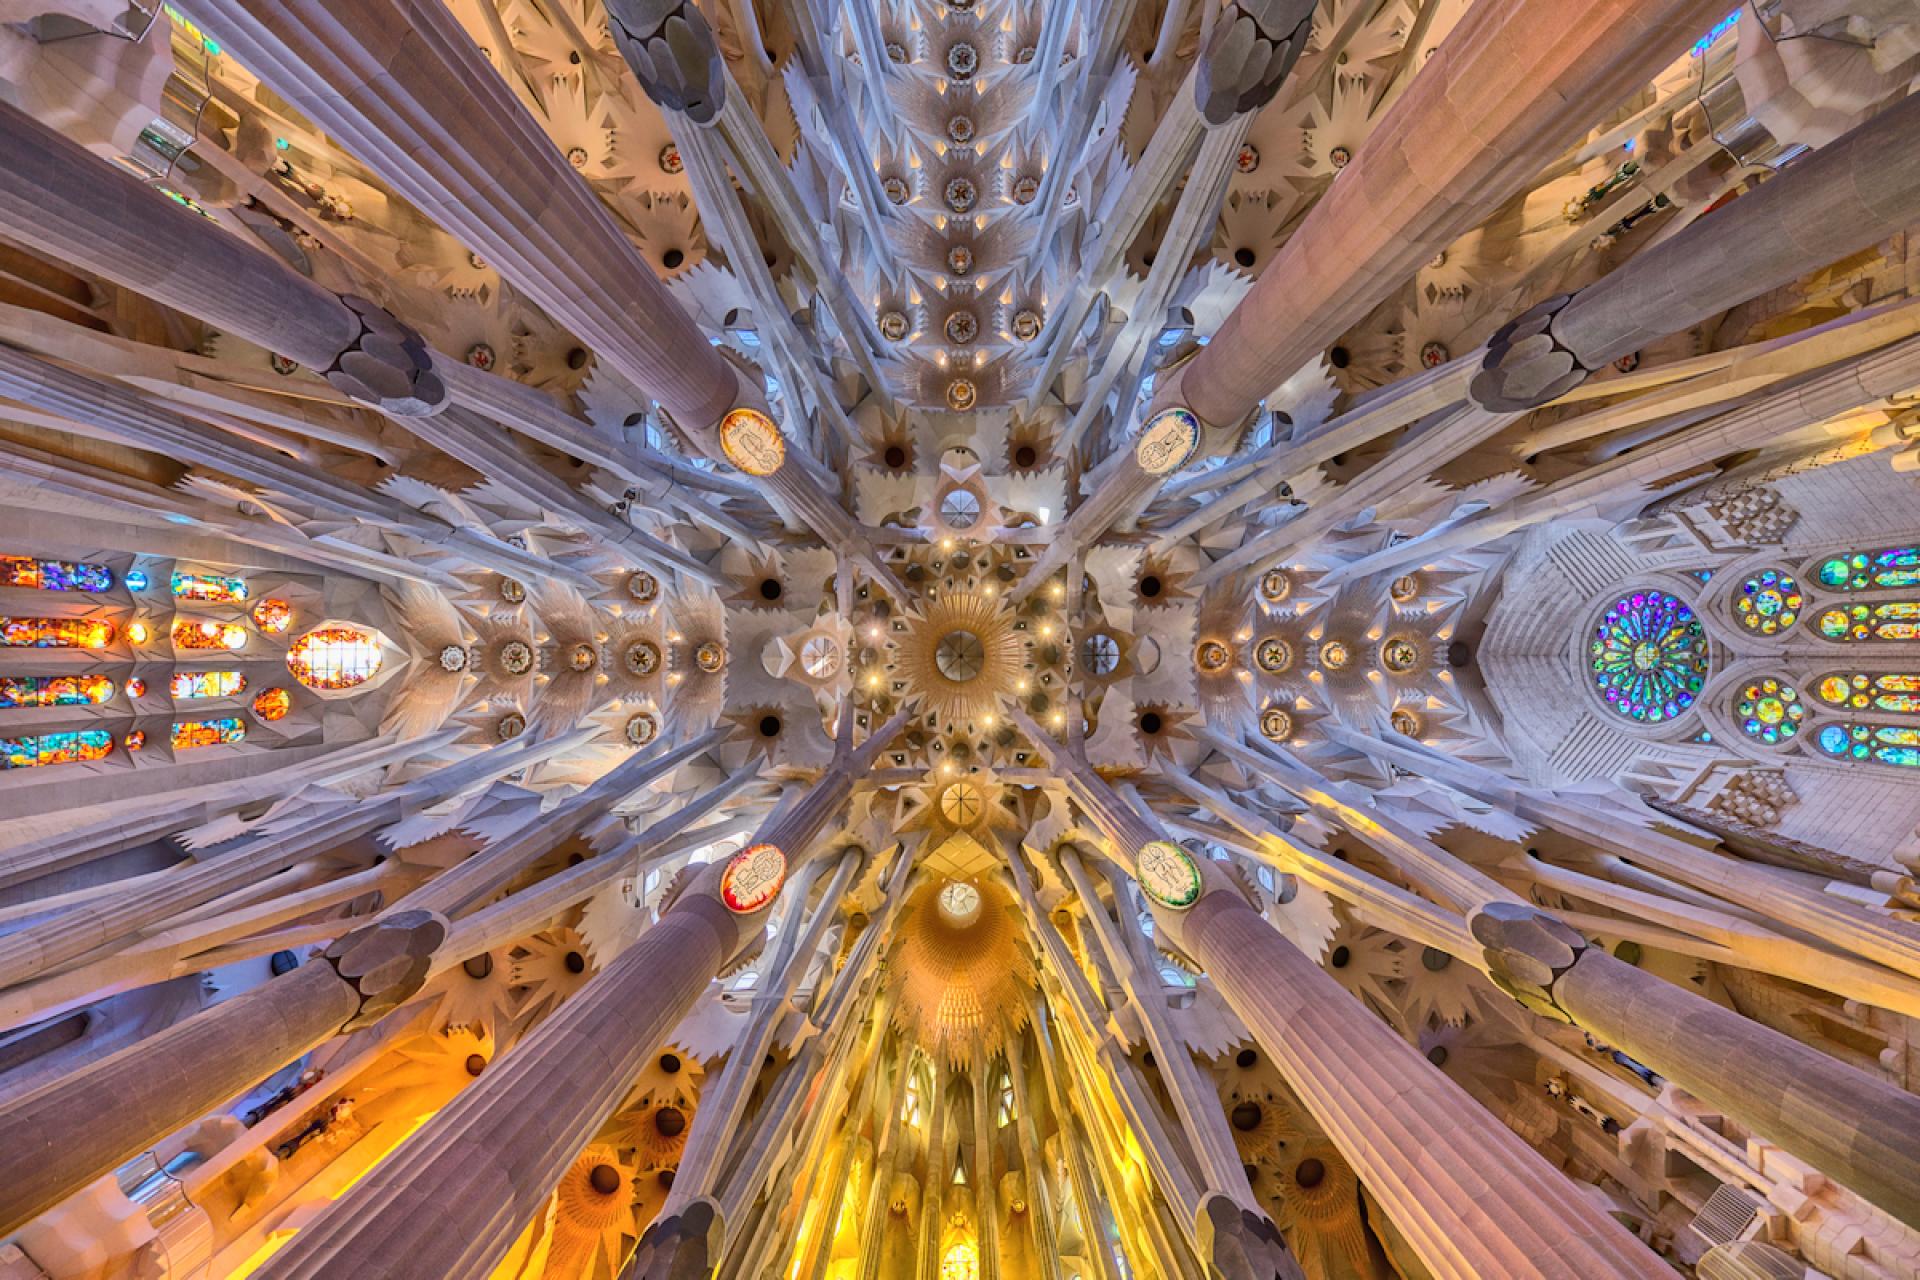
(54,691)
(56,633)
(54,575)
(55,748)
(190,633)
(1649,656)
(1860,570)
(1768,602)
(211,588)
(1894,691)
(189,734)
(335,658)
(1894,620)
(207,684)
(1885,743)
(1769,710)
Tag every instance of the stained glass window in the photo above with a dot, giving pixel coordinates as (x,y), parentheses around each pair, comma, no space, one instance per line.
(272,704)
(213,588)
(189,734)
(1886,743)
(54,691)
(1770,710)
(1894,620)
(207,684)
(1768,602)
(1892,691)
(55,748)
(56,633)
(208,634)
(1649,656)
(1859,570)
(54,575)
(136,580)
(272,616)
(334,658)
(961,1262)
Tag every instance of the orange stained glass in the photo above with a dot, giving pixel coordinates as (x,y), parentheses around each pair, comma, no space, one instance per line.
(55,748)
(204,633)
(54,691)
(189,734)
(335,658)
(272,616)
(207,684)
(272,704)
(56,633)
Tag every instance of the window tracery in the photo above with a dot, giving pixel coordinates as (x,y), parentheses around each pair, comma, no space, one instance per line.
(41,749)
(54,691)
(339,657)
(1649,656)
(56,633)
(54,575)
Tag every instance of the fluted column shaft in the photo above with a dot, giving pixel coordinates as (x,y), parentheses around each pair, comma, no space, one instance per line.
(1514,84)
(1858,1129)
(61,200)
(1843,198)
(453,1197)
(60,1137)
(1470,1197)
(403,88)
(45,945)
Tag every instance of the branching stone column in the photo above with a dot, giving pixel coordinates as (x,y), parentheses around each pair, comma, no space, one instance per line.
(1513,85)
(1861,1131)
(403,88)
(1858,1129)
(1471,1198)
(67,203)
(60,1137)
(1843,198)
(453,1197)
(46,945)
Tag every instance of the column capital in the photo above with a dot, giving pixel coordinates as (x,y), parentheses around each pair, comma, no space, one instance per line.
(387,961)
(1243,1245)
(685,1245)
(387,364)
(1527,953)
(673,53)
(1527,364)
(1254,45)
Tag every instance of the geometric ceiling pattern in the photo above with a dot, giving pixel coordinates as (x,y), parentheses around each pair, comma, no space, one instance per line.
(938,639)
